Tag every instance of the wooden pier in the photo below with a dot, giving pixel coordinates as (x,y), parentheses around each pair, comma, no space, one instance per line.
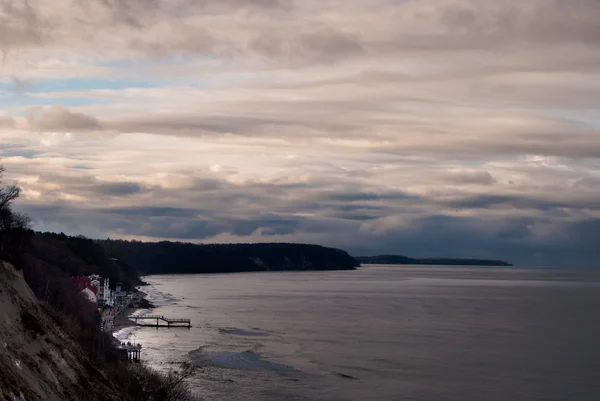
(159,319)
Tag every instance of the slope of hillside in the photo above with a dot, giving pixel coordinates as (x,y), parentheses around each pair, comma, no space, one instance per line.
(39,361)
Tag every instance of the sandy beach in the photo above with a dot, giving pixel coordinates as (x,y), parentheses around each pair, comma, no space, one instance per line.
(138,303)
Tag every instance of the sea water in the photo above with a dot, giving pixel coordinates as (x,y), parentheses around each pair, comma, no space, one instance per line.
(382,333)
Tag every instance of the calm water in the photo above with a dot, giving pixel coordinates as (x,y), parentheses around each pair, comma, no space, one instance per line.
(383,333)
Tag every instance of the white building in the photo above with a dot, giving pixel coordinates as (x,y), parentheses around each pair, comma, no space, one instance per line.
(105,295)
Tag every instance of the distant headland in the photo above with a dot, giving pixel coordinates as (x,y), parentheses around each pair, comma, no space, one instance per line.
(405,260)
(177,257)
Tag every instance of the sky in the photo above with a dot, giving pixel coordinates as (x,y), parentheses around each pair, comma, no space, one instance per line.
(456,128)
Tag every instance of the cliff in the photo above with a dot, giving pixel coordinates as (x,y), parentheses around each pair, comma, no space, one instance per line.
(38,359)
(405,260)
(175,257)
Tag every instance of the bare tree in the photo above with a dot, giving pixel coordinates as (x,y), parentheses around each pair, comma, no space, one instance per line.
(142,383)
(13,225)
(7,193)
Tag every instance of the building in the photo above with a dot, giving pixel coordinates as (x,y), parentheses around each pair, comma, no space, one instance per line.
(86,287)
(100,287)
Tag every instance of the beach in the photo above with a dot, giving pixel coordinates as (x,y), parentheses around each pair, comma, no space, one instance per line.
(138,302)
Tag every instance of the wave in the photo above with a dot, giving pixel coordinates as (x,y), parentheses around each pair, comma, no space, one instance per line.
(158,298)
(140,313)
(246,333)
(345,376)
(124,333)
(246,360)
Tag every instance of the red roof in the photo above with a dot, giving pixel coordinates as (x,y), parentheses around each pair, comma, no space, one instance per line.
(83,282)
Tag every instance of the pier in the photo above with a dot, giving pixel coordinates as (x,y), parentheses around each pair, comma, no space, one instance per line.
(130,352)
(159,319)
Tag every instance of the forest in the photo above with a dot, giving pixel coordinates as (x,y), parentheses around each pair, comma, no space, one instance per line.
(176,257)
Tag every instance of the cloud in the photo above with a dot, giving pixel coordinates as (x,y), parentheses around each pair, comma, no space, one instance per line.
(82,186)
(307,47)
(470,177)
(529,241)
(60,118)
(370,196)
(379,127)
(520,201)
(20,25)
(18,85)
(118,188)
(587,183)
(6,121)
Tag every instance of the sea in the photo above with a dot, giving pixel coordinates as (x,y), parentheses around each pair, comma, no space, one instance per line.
(381,333)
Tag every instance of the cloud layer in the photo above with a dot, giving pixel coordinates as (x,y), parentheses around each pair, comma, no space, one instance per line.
(429,128)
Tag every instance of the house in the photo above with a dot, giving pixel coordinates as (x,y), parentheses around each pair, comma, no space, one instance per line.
(99,287)
(87,288)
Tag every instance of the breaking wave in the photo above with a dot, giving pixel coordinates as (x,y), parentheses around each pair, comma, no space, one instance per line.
(158,298)
(124,333)
(246,360)
(245,333)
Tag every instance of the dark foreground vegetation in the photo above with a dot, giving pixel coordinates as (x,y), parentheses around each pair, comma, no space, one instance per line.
(405,260)
(46,262)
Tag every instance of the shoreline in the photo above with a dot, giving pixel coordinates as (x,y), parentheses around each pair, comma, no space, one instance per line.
(122,321)
(139,302)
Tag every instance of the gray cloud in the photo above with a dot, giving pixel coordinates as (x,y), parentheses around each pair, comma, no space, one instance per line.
(59,118)
(380,128)
(308,47)
(118,188)
(370,196)
(588,183)
(519,240)
(470,177)
(87,185)
(6,121)
(523,202)
(20,25)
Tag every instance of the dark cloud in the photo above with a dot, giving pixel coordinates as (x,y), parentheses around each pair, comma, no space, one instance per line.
(268,225)
(21,25)
(152,211)
(566,143)
(524,202)
(357,215)
(207,184)
(88,185)
(530,241)
(470,177)
(587,183)
(370,196)
(514,240)
(61,119)
(118,188)
(6,122)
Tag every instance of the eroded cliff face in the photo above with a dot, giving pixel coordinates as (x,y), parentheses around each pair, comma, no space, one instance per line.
(38,360)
